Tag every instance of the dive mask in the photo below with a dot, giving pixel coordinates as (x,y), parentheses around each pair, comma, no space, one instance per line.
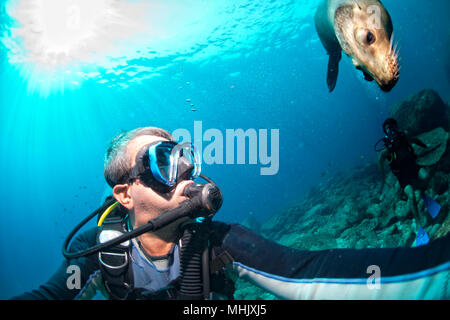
(161,165)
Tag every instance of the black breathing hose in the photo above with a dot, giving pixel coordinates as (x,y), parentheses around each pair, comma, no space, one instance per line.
(193,244)
(185,207)
(194,261)
(377,145)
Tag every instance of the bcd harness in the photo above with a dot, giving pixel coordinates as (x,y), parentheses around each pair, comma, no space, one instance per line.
(198,263)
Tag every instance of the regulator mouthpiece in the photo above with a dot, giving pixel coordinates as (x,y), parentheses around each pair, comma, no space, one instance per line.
(208,194)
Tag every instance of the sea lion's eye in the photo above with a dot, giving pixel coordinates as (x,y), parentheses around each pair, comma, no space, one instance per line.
(370,38)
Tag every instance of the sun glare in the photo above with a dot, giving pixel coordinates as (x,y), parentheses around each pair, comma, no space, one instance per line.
(57,44)
(55,32)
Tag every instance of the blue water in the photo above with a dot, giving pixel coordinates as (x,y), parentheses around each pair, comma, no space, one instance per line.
(243,64)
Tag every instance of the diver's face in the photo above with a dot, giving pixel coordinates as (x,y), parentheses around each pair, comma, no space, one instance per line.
(144,201)
(390,130)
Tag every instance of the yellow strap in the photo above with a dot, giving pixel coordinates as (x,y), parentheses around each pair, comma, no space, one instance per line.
(107,211)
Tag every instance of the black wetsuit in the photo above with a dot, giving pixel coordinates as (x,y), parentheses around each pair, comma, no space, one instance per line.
(402,159)
(403,273)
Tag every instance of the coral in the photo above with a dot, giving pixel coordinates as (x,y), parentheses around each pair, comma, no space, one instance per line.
(421,112)
(436,141)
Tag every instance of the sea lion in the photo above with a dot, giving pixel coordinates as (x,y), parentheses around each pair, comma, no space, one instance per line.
(363,30)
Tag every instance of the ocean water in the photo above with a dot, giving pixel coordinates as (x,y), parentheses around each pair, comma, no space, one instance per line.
(73,74)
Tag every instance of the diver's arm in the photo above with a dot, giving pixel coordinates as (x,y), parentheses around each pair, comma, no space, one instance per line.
(418,142)
(397,273)
(59,286)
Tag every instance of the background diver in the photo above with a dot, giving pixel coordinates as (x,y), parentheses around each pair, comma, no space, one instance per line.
(193,257)
(398,152)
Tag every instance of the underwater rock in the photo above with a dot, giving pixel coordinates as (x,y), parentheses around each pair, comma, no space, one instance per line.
(312,241)
(440,183)
(252,223)
(402,209)
(444,164)
(421,112)
(374,210)
(443,230)
(436,140)
(319,209)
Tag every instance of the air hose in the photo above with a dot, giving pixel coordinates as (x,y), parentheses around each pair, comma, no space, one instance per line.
(194,262)
(378,147)
(186,207)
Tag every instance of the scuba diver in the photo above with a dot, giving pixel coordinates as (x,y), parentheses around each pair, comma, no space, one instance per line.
(155,239)
(398,152)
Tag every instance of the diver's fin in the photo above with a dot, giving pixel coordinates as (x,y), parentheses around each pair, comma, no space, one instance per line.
(432,206)
(422,238)
(333,69)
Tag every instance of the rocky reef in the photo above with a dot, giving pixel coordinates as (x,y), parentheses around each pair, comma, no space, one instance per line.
(355,209)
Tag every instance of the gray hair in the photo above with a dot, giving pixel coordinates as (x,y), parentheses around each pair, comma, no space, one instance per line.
(117,164)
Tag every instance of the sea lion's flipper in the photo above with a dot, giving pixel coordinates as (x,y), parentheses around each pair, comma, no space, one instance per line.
(333,69)
(367,76)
